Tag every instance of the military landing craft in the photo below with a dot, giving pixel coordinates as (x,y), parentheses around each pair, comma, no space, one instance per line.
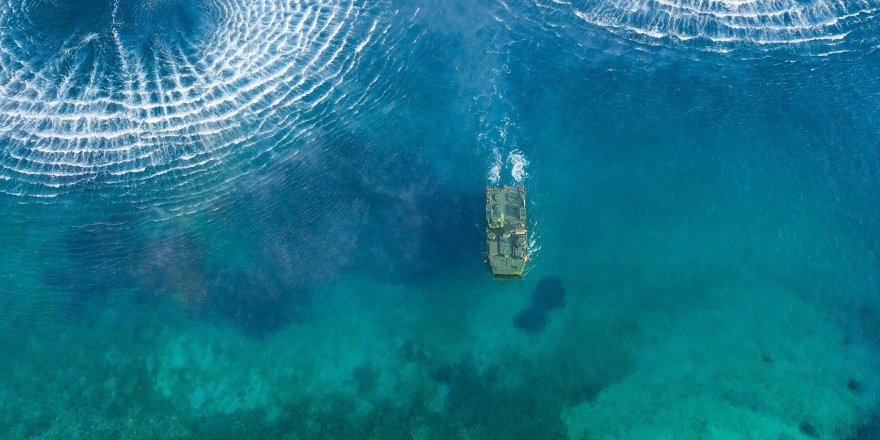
(506,236)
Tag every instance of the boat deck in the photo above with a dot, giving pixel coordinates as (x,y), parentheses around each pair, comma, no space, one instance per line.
(507,244)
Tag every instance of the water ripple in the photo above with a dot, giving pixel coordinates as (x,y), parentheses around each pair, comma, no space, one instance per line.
(117,93)
(749,27)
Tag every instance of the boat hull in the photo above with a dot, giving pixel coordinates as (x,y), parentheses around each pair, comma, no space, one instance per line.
(507,244)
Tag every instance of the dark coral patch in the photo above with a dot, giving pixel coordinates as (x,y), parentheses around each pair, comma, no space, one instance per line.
(808,429)
(548,295)
(531,320)
(258,303)
(854,385)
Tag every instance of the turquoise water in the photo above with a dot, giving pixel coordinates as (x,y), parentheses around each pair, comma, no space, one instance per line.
(264,219)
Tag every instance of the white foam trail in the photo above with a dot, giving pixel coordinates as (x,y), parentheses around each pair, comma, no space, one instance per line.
(495,169)
(518,162)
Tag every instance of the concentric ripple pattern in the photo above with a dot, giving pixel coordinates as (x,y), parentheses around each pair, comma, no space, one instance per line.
(814,27)
(111,92)
(724,25)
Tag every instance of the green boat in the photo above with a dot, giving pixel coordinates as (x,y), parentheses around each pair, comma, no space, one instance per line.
(507,240)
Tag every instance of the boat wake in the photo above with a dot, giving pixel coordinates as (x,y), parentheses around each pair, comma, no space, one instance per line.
(518,162)
(498,129)
(495,170)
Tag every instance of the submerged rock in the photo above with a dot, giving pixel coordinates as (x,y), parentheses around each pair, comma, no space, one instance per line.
(854,386)
(549,295)
(808,429)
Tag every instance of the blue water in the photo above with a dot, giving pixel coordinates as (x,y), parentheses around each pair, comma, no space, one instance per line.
(264,219)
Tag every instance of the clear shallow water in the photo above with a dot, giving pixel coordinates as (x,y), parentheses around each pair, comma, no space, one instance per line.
(264,219)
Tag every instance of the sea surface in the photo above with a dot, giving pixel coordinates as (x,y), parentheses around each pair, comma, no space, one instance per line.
(265,219)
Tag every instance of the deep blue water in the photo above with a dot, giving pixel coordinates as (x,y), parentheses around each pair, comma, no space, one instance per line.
(264,219)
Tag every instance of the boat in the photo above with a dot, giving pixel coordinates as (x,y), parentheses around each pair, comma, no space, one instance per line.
(507,244)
